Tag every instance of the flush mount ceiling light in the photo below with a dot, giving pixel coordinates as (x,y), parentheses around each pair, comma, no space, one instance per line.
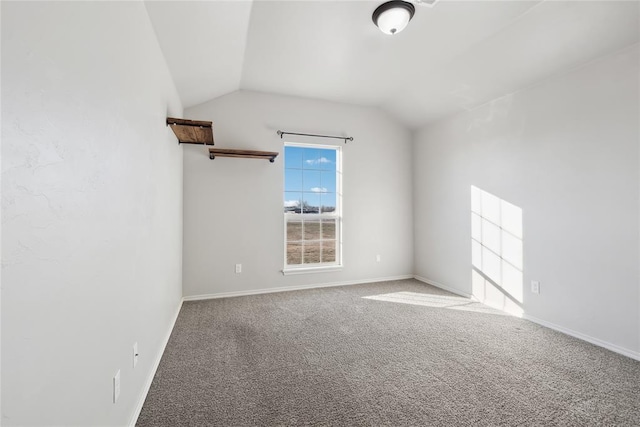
(393,16)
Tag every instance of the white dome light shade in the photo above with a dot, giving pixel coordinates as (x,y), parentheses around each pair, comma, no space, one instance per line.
(393,16)
(393,21)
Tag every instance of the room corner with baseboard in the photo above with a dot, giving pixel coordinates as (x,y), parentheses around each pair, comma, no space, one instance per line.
(338,213)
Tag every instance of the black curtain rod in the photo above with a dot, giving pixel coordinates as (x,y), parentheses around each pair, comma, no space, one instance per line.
(346,138)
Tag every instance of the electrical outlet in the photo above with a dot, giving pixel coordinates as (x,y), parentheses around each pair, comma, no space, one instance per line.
(378,258)
(135,354)
(535,287)
(116,386)
(238,268)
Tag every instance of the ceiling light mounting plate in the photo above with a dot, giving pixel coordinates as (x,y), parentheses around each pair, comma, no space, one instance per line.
(429,3)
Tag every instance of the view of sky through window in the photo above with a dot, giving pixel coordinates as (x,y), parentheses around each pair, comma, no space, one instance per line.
(310,180)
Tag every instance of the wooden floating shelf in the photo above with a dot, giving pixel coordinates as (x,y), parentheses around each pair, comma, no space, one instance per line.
(192,131)
(245,154)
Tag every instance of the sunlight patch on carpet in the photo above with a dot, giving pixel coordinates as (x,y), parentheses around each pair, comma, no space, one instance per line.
(437,301)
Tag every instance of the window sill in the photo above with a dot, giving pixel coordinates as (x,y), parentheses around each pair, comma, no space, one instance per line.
(305,270)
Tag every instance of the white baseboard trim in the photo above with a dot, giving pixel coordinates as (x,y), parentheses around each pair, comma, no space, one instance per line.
(595,341)
(292,288)
(154,368)
(443,287)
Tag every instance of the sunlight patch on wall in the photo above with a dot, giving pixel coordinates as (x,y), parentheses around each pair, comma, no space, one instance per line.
(436,301)
(496,252)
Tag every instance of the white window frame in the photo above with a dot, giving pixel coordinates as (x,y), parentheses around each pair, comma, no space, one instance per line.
(337,215)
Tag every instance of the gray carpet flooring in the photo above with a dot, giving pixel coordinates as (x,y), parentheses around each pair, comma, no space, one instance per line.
(411,355)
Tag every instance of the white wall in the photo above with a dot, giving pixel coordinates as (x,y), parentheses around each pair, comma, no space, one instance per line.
(567,152)
(233,207)
(91,206)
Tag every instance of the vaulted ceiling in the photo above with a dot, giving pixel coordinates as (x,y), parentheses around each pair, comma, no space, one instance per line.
(453,56)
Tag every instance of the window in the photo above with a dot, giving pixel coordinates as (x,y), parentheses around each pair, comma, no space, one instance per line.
(312,206)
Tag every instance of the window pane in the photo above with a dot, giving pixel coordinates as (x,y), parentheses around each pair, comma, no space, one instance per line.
(329,229)
(312,229)
(311,203)
(293,157)
(328,202)
(328,181)
(328,251)
(292,202)
(294,253)
(294,229)
(328,160)
(312,252)
(314,158)
(311,181)
(293,180)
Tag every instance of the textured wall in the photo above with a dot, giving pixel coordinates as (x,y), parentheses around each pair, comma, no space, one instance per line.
(91,209)
(567,153)
(233,207)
